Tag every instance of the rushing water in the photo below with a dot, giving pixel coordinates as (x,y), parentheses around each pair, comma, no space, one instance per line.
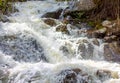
(33,52)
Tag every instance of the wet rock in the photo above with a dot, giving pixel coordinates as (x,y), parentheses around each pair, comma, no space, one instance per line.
(79,6)
(103,75)
(50,21)
(101,33)
(90,49)
(108,31)
(110,39)
(55,14)
(4,18)
(95,42)
(112,52)
(62,28)
(86,49)
(108,53)
(68,20)
(82,49)
(64,49)
(74,76)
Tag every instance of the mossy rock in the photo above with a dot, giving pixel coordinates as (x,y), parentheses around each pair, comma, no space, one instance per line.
(75,14)
(6,6)
(95,24)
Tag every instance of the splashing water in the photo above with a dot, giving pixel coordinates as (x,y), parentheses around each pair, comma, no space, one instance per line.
(33,52)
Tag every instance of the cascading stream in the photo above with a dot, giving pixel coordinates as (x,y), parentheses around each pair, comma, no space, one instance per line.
(31,51)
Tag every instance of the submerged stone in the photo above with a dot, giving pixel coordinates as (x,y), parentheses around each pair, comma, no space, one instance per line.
(74,76)
(22,48)
(103,75)
(4,18)
(86,50)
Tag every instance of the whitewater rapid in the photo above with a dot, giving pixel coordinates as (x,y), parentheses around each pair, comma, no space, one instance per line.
(33,52)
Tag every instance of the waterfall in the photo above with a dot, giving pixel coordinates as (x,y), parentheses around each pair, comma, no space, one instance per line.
(32,51)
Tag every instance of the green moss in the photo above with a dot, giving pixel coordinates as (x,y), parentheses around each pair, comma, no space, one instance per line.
(6,6)
(75,14)
(95,24)
(3,5)
(99,26)
(91,23)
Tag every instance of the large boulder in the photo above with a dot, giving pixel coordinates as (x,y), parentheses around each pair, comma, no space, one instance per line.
(83,5)
(55,14)
(79,5)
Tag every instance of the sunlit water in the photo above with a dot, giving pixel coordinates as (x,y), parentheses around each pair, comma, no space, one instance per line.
(33,52)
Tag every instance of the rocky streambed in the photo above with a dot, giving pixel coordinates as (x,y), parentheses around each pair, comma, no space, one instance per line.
(40,45)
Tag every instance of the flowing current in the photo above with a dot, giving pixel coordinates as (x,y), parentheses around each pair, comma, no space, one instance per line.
(33,52)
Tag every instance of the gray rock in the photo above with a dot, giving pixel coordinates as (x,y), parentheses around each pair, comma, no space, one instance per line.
(4,18)
(82,5)
(112,52)
(55,14)
(86,49)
